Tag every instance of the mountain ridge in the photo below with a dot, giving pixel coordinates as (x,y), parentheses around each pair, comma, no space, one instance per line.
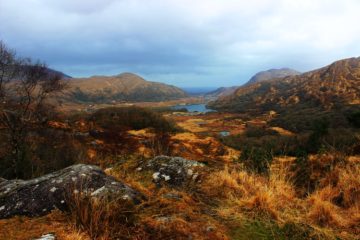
(122,87)
(258,77)
(272,74)
(314,87)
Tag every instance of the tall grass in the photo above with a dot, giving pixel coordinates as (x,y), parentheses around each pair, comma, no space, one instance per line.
(103,218)
(331,210)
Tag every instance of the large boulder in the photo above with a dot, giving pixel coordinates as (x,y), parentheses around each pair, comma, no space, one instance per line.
(174,171)
(39,196)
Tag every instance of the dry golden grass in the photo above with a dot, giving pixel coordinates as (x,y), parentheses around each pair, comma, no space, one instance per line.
(332,209)
(103,218)
(192,125)
(24,228)
(282,131)
(251,193)
(172,214)
(192,146)
(224,199)
(325,214)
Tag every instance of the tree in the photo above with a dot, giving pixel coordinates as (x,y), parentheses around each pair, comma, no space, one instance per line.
(25,88)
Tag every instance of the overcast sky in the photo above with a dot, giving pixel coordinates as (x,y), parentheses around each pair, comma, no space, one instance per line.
(182,42)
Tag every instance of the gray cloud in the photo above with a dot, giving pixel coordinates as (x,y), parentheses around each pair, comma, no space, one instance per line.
(188,42)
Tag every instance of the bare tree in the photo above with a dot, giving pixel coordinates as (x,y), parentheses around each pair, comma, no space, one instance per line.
(25,88)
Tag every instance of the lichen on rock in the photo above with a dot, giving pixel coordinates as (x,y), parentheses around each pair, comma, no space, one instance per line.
(39,196)
(175,171)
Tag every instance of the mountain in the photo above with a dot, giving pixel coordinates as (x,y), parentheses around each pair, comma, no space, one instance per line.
(123,87)
(198,91)
(333,88)
(222,91)
(61,74)
(259,77)
(272,74)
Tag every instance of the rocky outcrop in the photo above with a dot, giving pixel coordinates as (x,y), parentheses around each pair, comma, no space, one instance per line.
(39,196)
(174,171)
(49,236)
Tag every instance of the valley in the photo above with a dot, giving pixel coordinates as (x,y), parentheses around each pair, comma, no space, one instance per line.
(124,158)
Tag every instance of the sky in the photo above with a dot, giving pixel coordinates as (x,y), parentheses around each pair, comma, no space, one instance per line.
(187,43)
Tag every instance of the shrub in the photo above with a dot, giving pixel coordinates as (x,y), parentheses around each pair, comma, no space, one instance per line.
(320,129)
(45,150)
(256,159)
(132,118)
(354,119)
(259,132)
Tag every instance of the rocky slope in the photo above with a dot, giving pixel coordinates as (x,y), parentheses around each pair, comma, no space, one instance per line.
(123,87)
(272,74)
(259,77)
(222,91)
(329,87)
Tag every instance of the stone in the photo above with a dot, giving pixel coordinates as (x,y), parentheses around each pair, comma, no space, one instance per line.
(175,171)
(173,196)
(49,236)
(41,195)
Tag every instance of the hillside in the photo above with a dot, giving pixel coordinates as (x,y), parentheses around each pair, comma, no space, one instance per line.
(222,91)
(123,87)
(258,77)
(335,84)
(331,92)
(55,72)
(272,74)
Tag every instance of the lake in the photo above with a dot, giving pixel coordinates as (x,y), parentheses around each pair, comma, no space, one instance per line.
(194,108)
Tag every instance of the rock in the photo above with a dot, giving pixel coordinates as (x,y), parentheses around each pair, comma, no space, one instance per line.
(174,171)
(2,180)
(173,196)
(39,196)
(49,236)
(164,219)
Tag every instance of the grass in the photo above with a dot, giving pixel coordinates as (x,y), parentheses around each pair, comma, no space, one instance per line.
(229,201)
(104,217)
(24,228)
(272,202)
(270,230)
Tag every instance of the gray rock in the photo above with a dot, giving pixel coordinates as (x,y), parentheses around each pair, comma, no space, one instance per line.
(39,196)
(174,196)
(49,236)
(2,180)
(174,171)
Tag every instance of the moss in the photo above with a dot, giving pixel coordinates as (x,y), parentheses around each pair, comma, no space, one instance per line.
(268,230)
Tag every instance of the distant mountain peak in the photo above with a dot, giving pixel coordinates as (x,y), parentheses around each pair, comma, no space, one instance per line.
(128,74)
(333,85)
(120,88)
(272,74)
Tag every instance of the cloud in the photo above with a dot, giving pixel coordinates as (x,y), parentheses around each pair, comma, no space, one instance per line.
(188,42)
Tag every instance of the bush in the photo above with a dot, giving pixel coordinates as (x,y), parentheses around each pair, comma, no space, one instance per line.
(320,129)
(354,119)
(259,132)
(45,150)
(256,159)
(132,118)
